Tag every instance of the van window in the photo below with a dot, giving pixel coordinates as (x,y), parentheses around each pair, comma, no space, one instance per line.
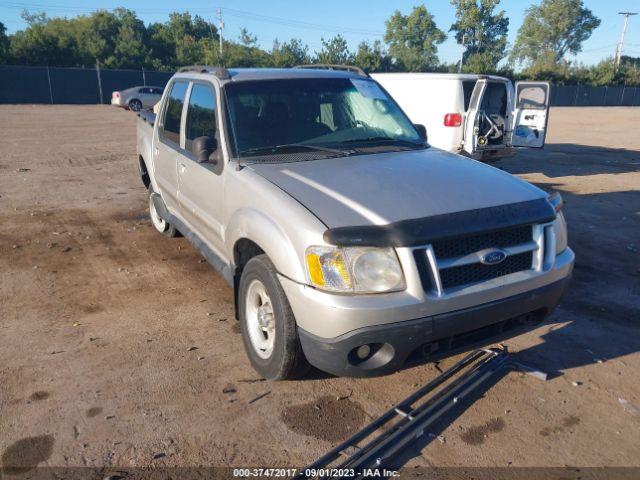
(467,87)
(173,113)
(201,114)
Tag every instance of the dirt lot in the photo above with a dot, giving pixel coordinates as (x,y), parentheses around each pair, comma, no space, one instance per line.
(118,346)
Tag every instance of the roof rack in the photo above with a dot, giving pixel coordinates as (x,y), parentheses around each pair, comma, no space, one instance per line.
(343,68)
(220,72)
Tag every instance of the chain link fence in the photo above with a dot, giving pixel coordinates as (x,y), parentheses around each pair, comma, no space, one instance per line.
(24,84)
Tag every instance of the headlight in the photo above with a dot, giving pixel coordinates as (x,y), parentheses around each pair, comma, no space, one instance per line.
(354,269)
(560,230)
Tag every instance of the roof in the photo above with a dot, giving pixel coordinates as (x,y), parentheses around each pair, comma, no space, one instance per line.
(242,74)
(248,74)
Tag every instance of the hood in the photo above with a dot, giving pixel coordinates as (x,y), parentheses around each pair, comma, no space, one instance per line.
(389,187)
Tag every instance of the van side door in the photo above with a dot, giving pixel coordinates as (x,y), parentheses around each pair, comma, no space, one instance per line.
(166,143)
(531,113)
(472,143)
(201,185)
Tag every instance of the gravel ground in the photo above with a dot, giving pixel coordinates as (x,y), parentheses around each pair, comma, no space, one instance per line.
(118,346)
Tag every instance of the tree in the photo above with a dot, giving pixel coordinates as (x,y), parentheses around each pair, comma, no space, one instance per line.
(550,31)
(131,50)
(334,51)
(372,57)
(289,54)
(247,39)
(4,44)
(412,39)
(482,31)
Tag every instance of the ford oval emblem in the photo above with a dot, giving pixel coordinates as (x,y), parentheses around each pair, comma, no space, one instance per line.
(493,257)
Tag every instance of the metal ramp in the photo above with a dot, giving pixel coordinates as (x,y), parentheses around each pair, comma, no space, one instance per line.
(374,445)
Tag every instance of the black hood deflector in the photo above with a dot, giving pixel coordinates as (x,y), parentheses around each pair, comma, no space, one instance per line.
(421,231)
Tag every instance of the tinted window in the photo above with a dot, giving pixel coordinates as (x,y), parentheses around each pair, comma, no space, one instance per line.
(201,114)
(157,91)
(173,112)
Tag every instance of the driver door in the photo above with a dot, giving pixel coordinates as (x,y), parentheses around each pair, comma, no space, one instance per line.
(529,128)
(472,121)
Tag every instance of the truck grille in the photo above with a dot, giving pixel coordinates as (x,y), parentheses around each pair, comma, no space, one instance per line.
(458,247)
(477,272)
(450,251)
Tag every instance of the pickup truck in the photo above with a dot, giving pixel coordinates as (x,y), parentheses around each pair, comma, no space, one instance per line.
(350,243)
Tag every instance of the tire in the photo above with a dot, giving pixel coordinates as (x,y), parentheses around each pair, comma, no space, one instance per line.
(135,105)
(273,348)
(161,225)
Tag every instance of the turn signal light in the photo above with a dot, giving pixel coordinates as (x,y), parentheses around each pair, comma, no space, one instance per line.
(452,120)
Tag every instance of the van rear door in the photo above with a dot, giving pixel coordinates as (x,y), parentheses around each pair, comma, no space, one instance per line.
(530,115)
(471,144)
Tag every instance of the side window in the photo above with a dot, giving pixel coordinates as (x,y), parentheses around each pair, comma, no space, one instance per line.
(201,114)
(157,91)
(467,87)
(173,112)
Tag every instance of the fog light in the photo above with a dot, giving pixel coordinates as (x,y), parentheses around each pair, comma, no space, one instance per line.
(363,351)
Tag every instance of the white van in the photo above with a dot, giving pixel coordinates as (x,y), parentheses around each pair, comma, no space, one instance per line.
(481,116)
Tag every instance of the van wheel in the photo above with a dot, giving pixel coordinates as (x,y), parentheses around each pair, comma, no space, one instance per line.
(269,330)
(135,105)
(160,224)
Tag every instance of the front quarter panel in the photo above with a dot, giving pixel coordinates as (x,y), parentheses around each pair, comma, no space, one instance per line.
(263,213)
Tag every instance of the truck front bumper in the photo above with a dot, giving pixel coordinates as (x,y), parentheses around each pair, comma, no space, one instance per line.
(392,345)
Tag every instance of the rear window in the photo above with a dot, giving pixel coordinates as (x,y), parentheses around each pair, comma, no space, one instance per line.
(173,112)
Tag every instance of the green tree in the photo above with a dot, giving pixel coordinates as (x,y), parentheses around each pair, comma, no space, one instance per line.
(183,40)
(334,51)
(413,39)
(247,39)
(550,31)
(131,50)
(289,54)
(372,57)
(4,44)
(482,31)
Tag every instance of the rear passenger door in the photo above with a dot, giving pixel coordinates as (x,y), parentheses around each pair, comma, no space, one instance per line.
(531,114)
(167,147)
(201,185)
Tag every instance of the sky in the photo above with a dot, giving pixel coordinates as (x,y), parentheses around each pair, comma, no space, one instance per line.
(356,20)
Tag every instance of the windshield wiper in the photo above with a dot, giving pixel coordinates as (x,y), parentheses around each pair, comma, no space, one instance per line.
(384,140)
(293,146)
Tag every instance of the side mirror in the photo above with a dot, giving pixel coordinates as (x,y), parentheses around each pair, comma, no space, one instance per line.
(205,150)
(422,130)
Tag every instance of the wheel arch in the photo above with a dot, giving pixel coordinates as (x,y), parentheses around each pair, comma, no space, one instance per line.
(252,233)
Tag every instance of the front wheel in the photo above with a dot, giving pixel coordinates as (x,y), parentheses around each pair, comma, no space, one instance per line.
(269,330)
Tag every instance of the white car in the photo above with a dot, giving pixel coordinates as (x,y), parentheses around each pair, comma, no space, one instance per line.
(481,116)
(137,98)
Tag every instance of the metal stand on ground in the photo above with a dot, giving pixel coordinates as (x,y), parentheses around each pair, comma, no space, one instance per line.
(405,422)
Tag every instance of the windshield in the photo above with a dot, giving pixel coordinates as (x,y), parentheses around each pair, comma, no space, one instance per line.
(325,115)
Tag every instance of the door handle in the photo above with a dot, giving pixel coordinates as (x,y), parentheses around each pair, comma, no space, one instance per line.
(183,167)
(155,151)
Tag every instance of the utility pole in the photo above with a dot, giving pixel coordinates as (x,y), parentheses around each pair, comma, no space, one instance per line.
(220,27)
(624,30)
(461,55)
